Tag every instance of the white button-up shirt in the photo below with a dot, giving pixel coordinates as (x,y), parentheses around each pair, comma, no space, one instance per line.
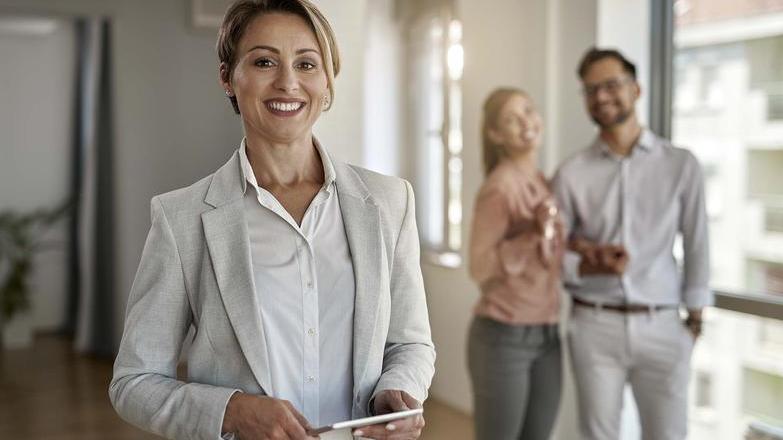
(641,201)
(305,284)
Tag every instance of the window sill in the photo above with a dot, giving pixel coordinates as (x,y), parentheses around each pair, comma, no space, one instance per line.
(767,306)
(447,259)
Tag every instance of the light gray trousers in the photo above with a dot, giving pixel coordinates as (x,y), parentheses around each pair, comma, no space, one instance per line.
(516,374)
(650,351)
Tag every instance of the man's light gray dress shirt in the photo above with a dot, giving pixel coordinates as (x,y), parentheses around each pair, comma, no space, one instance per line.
(641,201)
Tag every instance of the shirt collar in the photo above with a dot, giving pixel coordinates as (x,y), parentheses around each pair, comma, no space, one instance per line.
(248,176)
(646,143)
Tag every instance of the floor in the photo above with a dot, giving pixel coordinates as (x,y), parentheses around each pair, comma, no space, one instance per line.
(49,393)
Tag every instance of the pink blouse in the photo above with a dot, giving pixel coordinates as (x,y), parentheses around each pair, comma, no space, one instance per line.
(516,267)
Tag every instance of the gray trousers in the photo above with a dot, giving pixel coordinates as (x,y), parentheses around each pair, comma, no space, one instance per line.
(516,373)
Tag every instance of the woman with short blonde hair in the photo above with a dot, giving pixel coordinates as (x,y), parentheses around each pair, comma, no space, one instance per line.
(299,273)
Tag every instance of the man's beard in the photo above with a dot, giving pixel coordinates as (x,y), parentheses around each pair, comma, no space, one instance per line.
(621,117)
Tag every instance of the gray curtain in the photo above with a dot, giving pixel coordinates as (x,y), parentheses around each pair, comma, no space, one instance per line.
(90,306)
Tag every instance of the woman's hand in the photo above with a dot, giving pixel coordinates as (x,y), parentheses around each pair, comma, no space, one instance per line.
(600,259)
(546,215)
(261,417)
(388,401)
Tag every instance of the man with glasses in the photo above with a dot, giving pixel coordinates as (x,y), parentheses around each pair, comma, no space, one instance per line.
(624,200)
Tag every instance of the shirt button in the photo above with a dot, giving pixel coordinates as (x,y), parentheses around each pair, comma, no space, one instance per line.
(311,331)
(310,379)
(309,284)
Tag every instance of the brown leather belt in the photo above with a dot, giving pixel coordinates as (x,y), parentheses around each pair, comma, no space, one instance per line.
(625,308)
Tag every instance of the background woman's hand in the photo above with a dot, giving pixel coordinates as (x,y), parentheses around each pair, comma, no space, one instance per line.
(408,428)
(260,417)
(546,214)
(600,259)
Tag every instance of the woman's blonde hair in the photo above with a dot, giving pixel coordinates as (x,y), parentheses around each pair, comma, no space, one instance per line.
(242,12)
(494,103)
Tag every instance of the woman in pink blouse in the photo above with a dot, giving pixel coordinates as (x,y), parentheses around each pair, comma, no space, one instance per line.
(516,248)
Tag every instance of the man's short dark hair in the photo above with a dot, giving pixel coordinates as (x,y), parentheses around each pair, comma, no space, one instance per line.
(595,55)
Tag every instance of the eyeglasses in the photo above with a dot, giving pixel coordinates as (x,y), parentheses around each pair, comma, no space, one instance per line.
(611,86)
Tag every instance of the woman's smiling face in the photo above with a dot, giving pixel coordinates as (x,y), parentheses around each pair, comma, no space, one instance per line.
(279,79)
(519,126)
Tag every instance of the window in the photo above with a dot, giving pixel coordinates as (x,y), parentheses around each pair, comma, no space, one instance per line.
(728,59)
(737,377)
(761,397)
(771,337)
(434,108)
(727,107)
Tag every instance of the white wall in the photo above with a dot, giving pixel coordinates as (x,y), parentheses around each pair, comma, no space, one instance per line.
(625,25)
(573,30)
(383,97)
(341,129)
(35,149)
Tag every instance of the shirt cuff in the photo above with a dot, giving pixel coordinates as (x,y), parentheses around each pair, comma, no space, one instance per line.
(697,297)
(571,262)
(228,435)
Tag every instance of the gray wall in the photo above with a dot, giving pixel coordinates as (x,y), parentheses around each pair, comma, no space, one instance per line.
(173,124)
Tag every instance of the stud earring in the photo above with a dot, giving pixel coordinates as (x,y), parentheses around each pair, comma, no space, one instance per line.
(325,102)
(228,93)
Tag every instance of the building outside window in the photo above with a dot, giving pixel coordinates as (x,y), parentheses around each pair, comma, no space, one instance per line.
(727,107)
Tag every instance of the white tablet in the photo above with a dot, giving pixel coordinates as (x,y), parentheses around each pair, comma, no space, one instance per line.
(357,423)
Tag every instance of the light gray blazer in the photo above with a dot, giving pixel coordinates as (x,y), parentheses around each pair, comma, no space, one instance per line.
(195,270)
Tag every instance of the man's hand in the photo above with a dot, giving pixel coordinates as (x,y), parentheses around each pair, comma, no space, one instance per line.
(694,322)
(599,259)
(388,401)
(261,417)
(614,258)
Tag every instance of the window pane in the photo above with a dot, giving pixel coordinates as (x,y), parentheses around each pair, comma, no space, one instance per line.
(728,109)
(737,377)
(435,56)
(426,96)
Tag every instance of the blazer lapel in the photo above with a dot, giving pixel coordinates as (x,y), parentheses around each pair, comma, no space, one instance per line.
(226,235)
(362,227)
